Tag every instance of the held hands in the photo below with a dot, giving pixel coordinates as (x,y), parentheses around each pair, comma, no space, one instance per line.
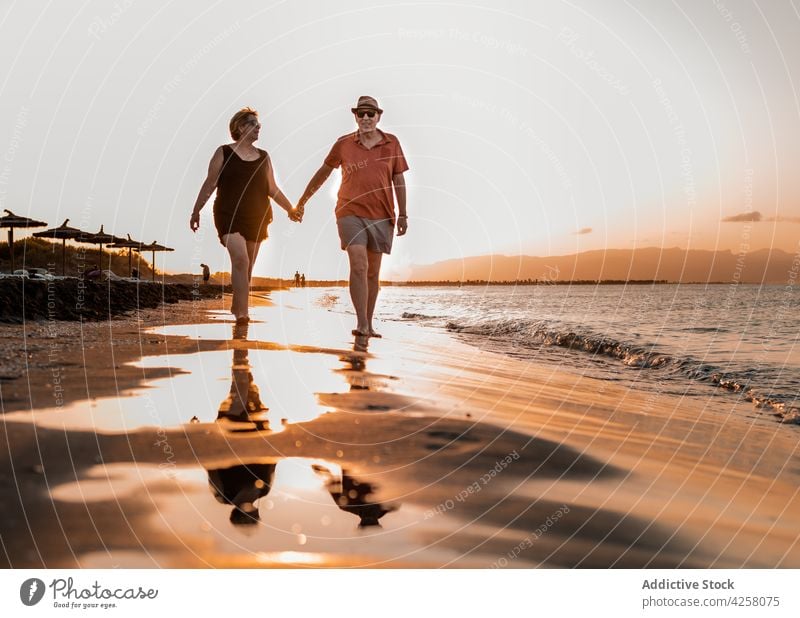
(296,213)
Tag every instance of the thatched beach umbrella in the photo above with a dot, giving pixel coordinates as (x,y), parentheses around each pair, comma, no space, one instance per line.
(154,246)
(12,221)
(63,232)
(101,238)
(128,244)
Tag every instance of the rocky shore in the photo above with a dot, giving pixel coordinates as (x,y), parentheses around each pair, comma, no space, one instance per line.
(23,300)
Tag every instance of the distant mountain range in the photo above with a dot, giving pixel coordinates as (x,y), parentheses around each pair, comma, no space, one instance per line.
(652,263)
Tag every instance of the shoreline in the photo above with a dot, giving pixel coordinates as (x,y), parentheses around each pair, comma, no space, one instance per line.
(625,478)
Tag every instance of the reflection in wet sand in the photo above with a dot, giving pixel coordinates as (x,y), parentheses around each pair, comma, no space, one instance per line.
(354,496)
(308,506)
(242,486)
(243,406)
(368,465)
(374,470)
(355,365)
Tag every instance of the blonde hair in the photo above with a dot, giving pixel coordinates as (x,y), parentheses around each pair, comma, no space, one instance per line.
(237,119)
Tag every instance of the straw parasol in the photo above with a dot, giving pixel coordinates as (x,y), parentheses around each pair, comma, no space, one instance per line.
(153,246)
(12,221)
(128,244)
(100,238)
(63,232)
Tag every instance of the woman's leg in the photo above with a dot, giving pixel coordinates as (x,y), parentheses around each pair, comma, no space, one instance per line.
(240,267)
(252,254)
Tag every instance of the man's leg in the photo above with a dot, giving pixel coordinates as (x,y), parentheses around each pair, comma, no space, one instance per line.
(358,284)
(240,263)
(373,283)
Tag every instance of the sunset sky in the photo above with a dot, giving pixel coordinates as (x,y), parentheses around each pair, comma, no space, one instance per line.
(537,128)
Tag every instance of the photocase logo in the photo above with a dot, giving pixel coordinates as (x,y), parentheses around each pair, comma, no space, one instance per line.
(31,591)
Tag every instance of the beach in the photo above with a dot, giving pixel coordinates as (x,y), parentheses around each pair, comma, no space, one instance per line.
(168,439)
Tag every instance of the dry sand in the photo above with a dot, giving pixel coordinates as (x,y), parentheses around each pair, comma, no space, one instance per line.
(464,457)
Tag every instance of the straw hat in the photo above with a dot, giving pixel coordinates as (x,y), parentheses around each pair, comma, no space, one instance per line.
(365,102)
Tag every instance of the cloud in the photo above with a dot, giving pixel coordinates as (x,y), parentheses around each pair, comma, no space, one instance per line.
(745,216)
(583,230)
(756,216)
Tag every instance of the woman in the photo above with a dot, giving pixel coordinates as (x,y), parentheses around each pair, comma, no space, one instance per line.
(244,180)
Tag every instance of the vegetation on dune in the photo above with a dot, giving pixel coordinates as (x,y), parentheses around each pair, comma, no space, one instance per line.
(41,253)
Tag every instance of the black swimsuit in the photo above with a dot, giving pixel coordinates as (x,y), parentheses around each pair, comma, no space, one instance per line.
(242,203)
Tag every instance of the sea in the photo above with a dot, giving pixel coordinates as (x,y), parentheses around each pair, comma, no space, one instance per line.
(692,340)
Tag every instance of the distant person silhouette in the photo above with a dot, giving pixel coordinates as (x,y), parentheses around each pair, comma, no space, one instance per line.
(297,278)
(94,273)
(303,280)
(206,272)
(135,273)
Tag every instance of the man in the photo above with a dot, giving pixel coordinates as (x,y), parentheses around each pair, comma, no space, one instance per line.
(372,164)
(206,273)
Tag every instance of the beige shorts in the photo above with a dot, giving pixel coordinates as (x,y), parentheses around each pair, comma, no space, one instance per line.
(375,234)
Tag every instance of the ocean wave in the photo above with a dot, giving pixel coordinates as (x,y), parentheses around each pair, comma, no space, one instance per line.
(528,333)
(327,300)
(704,329)
(538,333)
(408,315)
(785,412)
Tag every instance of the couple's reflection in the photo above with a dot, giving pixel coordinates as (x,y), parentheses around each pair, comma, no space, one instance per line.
(243,403)
(360,343)
(356,365)
(354,496)
(351,495)
(243,485)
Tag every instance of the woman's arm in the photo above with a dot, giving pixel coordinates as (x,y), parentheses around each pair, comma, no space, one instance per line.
(275,192)
(209,186)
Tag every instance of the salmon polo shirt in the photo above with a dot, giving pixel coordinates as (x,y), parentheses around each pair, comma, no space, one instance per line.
(366,189)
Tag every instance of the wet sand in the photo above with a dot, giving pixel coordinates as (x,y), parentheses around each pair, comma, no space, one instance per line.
(295,446)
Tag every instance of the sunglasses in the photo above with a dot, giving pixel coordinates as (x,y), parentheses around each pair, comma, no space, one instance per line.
(362,112)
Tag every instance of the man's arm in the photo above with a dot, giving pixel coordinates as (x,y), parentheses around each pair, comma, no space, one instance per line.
(400,192)
(317,180)
(209,186)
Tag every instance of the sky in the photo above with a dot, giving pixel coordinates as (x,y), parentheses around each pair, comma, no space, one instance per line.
(530,127)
